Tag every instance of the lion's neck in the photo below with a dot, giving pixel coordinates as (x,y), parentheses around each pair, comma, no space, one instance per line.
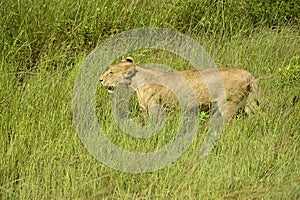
(144,75)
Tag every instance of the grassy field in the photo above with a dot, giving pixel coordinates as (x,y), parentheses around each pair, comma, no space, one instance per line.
(43,45)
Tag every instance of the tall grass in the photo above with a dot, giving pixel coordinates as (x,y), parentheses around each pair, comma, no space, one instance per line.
(43,45)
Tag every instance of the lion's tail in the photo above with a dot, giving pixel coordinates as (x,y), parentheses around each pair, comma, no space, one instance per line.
(254,94)
(253,97)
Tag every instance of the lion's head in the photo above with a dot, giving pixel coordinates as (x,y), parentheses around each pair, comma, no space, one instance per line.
(117,73)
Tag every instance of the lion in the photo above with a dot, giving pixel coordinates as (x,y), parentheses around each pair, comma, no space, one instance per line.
(233,89)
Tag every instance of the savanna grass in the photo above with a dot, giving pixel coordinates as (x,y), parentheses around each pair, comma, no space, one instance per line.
(43,46)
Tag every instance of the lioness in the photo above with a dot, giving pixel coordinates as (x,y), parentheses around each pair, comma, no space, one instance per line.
(240,86)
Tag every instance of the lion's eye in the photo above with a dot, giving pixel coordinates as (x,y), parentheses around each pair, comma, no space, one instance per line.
(110,73)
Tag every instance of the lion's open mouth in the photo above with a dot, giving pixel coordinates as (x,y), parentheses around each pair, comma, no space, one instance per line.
(110,89)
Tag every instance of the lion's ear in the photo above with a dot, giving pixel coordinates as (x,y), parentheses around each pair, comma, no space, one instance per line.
(129,59)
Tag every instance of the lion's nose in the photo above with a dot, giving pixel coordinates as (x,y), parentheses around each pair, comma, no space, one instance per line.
(101,80)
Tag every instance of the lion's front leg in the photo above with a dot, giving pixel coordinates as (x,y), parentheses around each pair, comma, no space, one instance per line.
(143,112)
(152,112)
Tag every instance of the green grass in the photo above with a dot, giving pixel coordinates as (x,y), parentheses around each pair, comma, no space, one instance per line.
(43,46)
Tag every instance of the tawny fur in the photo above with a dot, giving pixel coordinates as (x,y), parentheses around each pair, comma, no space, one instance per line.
(240,86)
